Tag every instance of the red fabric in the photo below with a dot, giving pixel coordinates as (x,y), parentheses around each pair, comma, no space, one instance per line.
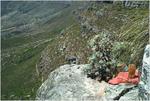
(122,77)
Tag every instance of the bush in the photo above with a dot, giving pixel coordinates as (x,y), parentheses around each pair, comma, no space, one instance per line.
(101,61)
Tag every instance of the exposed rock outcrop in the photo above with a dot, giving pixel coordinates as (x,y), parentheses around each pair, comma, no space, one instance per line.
(128,3)
(144,85)
(122,91)
(68,81)
(132,3)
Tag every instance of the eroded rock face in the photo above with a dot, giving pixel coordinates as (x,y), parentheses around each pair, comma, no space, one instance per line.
(122,92)
(144,85)
(128,3)
(68,81)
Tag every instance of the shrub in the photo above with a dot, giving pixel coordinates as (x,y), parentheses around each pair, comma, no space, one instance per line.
(101,61)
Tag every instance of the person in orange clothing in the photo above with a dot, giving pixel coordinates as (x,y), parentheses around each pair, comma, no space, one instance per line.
(132,76)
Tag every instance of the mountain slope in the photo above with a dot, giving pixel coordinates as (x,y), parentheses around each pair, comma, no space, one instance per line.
(38,37)
(27,28)
(127,26)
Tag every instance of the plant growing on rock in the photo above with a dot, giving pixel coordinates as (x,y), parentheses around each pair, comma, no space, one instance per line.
(101,61)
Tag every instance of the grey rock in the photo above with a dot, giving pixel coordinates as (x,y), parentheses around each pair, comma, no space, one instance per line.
(144,85)
(128,3)
(114,90)
(72,59)
(62,32)
(68,81)
(131,95)
(99,14)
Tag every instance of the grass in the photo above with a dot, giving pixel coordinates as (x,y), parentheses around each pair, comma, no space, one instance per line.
(127,25)
(20,78)
(21,54)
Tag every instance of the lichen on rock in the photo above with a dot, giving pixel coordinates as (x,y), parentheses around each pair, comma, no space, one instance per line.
(68,81)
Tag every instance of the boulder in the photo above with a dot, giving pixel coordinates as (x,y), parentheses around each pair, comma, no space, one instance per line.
(68,81)
(128,3)
(71,59)
(144,85)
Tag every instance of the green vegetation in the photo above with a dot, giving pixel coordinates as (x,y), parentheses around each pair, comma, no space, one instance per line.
(128,26)
(22,46)
(21,51)
(19,77)
(128,31)
(75,45)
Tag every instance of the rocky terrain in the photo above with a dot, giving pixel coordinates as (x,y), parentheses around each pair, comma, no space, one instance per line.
(59,43)
(128,29)
(121,29)
(69,82)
